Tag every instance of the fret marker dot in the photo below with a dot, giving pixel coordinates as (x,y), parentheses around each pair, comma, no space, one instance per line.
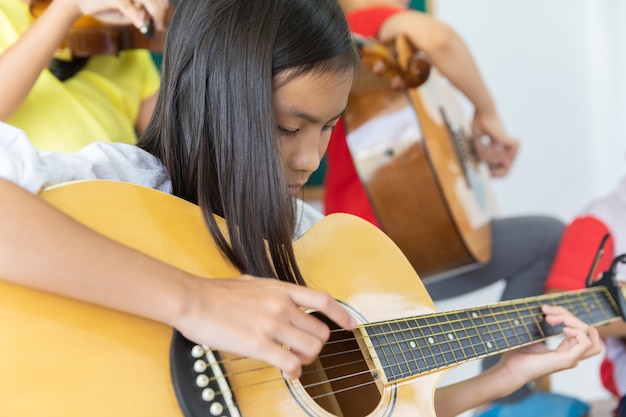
(413,344)
(489,345)
(474,314)
(431,340)
(450,336)
(516,322)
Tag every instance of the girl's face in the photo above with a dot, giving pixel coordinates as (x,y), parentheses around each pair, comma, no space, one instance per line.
(307,109)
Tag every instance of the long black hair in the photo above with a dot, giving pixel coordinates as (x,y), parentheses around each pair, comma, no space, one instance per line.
(214,127)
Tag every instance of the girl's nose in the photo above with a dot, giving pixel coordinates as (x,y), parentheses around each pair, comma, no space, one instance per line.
(307,157)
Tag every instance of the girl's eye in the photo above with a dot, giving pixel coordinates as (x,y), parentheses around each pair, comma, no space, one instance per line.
(331,128)
(287,132)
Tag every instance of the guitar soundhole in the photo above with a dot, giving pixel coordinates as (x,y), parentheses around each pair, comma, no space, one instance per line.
(339,380)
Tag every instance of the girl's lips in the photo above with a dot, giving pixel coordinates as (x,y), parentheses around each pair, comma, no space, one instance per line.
(292,189)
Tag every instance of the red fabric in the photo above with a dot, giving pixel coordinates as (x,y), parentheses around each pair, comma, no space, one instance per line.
(368,21)
(576,253)
(571,266)
(343,190)
(608,377)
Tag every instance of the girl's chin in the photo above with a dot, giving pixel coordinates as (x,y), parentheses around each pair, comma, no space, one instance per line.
(293,190)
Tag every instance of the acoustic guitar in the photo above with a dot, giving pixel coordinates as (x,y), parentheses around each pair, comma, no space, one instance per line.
(65,358)
(414,154)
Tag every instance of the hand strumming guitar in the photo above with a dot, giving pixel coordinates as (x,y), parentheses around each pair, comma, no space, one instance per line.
(499,150)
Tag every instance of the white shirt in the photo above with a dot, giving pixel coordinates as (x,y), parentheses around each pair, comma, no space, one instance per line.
(611,209)
(23,165)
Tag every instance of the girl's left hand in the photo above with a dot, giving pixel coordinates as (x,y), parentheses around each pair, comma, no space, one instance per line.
(580,341)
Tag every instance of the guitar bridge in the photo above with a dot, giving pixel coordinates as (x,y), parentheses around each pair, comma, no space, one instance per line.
(200,382)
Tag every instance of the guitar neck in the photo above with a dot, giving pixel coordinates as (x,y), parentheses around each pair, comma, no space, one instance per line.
(422,344)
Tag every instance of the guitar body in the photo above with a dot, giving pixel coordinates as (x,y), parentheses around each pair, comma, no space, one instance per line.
(412,153)
(64,358)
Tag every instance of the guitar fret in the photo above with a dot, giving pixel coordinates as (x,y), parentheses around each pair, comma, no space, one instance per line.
(504,331)
(500,333)
(576,305)
(428,361)
(528,324)
(390,361)
(540,329)
(434,340)
(454,340)
(467,335)
(517,318)
(409,347)
(473,340)
(477,340)
(589,307)
(485,320)
(415,342)
(595,306)
(548,330)
(399,346)
(430,342)
(533,322)
(422,344)
(516,322)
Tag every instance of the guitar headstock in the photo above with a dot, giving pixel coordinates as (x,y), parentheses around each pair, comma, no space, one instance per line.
(399,58)
(609,280)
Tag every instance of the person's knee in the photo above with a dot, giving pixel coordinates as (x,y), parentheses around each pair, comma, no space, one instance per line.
(553,229)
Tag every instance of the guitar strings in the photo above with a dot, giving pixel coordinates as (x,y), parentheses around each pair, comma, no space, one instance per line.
(435,334)
(571,306)
(575,304)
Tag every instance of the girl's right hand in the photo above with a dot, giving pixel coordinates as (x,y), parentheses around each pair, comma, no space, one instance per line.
(260,318)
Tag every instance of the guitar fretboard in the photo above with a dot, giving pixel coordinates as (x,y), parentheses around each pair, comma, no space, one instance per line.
(422,344)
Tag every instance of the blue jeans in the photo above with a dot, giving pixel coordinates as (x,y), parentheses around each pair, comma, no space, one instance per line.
(621,407)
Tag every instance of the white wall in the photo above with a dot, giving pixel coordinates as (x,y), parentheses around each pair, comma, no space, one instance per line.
(557,72)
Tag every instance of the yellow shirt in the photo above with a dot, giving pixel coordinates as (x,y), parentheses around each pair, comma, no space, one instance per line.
(99,103)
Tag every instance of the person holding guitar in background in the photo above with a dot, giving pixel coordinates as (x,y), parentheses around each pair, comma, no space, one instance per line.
(65,102)
(602,222)
(523,248)
(244,115)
